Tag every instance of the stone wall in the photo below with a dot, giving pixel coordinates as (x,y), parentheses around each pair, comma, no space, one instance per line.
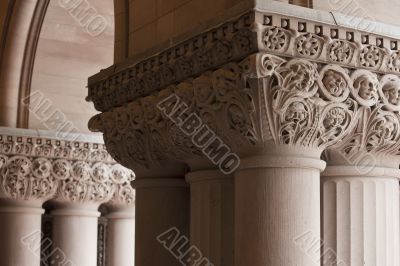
(69,51)
(154,22)
(382,11)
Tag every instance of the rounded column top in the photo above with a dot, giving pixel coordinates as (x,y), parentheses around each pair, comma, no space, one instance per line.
(124,193)
(207,175)
(68,171)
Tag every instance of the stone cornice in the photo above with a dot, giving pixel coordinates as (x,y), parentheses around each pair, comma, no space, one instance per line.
(232,41)
(256,31)
(67,171)
(31,145)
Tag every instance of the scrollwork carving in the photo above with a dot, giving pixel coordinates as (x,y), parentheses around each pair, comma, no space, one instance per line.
(298,115)
(276,39)
(371,56)
(262,100)
(310,45)
(23,179)
(124,193)
(341,51)
(378,127)
(267,100)
(86,183)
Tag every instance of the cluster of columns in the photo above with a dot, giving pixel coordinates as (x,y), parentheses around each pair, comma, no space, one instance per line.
(74,189)
(270,212)
(292,102)
(283,205)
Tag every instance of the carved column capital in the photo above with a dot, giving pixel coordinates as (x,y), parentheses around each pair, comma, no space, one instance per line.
(82,182)
(262,103)
(26,179)
(80,170)
(124,193)
(375,140)
(277,83)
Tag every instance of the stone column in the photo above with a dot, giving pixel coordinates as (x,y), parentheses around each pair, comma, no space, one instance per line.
(161,205)
(276,92)
(265,115)
(212,216)
(83,187)
(76,173)
(360,216)
(120,245)
(25,183)
(277,202)
(360,193)
(75,234)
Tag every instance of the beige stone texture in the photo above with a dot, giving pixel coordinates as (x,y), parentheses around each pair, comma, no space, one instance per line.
(12,53)
(67,54)
(154,22)
(385,11)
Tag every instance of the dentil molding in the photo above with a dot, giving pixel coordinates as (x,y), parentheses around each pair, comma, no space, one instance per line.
(252,32)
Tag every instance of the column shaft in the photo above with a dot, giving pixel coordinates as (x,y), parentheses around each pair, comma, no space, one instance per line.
(277,203)
(20,236)
(120,248)
(161,204)
(212,215)
(360,216)
(75,236)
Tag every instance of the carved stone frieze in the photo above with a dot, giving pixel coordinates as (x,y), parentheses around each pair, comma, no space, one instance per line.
(39,168)
(235,40)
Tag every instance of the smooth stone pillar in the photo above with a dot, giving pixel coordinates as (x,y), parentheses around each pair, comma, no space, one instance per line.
(277,203)
(75,235)
(20,234)
(212,215)
(360,216)
(120,247)
(161,204)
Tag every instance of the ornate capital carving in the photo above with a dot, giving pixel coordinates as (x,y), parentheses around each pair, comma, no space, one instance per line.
(24,178)
(36,168)
(292,83)
(376,138)
(262,101)
(124,193)
(304,103)
(83,182)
